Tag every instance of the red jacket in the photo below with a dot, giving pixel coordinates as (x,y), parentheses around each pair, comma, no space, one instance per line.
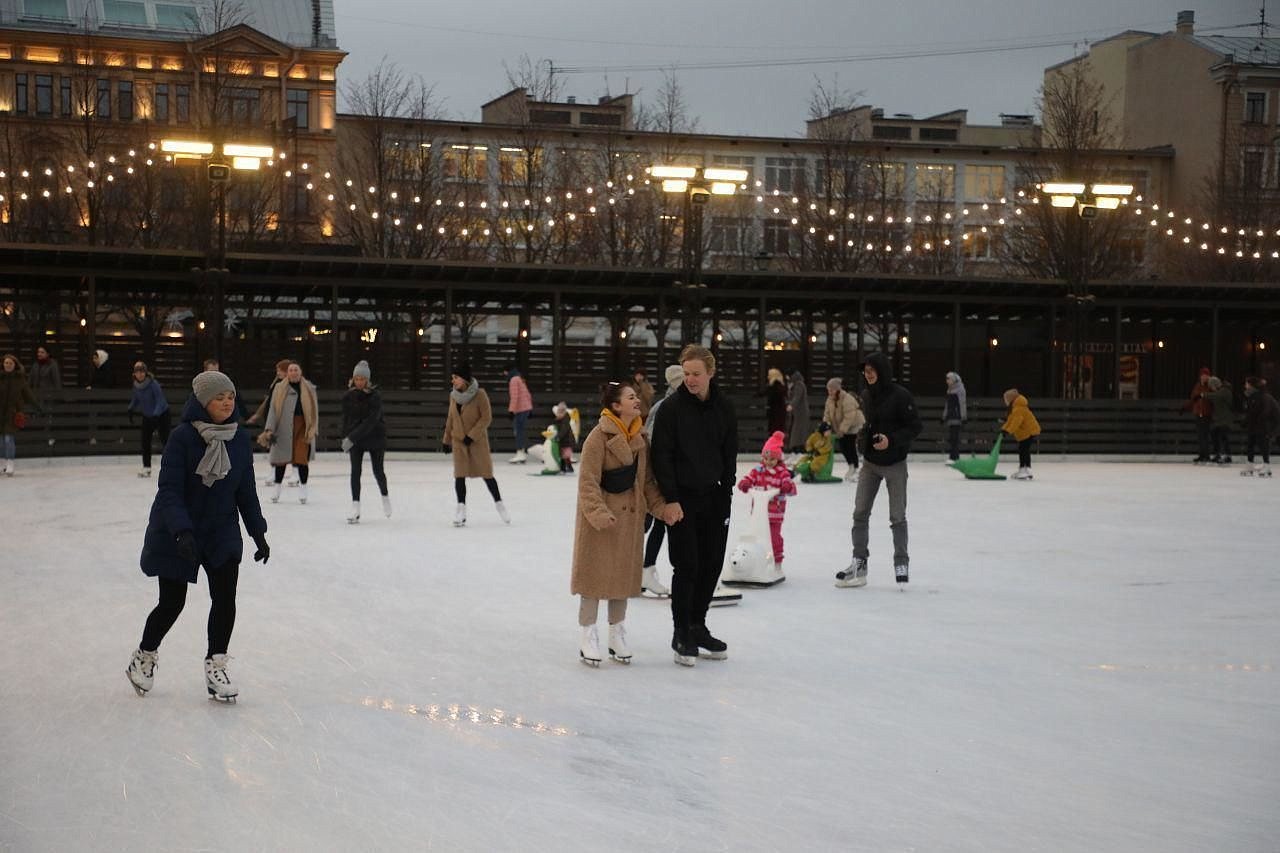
(777,477)
(1196,403)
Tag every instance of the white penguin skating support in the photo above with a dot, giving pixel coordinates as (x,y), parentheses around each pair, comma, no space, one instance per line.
(752,562)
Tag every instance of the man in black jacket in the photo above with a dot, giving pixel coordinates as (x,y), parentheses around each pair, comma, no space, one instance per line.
(695,455)
(892,424)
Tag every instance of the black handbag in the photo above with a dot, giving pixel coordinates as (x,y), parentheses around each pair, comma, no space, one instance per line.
(619,480)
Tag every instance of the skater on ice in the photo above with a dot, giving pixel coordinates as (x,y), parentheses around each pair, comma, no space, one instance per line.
(1020,423)
(148,401)
(842,412)
(656,530)
(815,466)
(695,459)
(616,489)
(892,424)
(363,430)
(775,401)
(14,394)
(520,407)
(466,436)
(1198,404)
(1261,423)
(770,478)
(293,418)
(955,413)
(797,428)
(566,438)
(205,488)
(1223,416)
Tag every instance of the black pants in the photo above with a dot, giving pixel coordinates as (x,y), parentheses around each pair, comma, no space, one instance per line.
(1024,451)
(953,441)
(1260,444)
(849,447)
(460,488)
(158,425)
(222,611)
(653,545)
(696,545)
(1222,442)
(357,462)
(304,471)
(1202,437)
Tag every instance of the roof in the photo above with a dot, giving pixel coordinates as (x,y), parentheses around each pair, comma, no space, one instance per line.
(300,23)
(1244,50)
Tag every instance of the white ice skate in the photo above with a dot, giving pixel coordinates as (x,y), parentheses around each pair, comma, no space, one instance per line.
(851,474)
(901,574)
(217,681)
(502,512)
(752,562)
(142,670)
(353,517)
(274,492)
(294,482)
(618,649)
(302,493)
(386,505)
(519,459)
(1264,470)
(1249,470)
(589,646)
(145,472)
(460,515)
(854,575)
(270,480)
(8,467)
(651,585)
(1023,474)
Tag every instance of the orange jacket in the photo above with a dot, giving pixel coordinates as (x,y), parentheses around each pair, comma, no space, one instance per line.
(1020,423)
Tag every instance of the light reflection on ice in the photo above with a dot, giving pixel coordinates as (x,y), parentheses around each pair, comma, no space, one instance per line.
(466,714)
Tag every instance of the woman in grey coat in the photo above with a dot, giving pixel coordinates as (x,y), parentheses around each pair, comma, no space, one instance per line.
(797,412)
(293,417)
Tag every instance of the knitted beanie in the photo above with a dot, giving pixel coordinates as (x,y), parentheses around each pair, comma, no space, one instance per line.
(361,369)
(835,384)
(463,371)
(674,375)
(210,384)
(774,444)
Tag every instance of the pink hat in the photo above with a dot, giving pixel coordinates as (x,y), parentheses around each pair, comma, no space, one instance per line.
(774,444)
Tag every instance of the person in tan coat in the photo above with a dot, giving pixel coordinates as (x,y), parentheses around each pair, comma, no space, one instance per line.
(466,436)
(293,418)
(842,411)
(616,488)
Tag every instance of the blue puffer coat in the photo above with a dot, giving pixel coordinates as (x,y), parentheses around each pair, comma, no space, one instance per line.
(148,399)
(183,502)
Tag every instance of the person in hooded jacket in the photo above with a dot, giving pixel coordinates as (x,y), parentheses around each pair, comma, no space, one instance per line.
(892,424)
(695,459)
(102,377)
(363,429)
(1261,423)
(45,376)
(1023,426)
(149,402)
(955,414)
(797,412)
(206,481)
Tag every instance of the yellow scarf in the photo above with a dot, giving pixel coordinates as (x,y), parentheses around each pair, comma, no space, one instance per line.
(629,431)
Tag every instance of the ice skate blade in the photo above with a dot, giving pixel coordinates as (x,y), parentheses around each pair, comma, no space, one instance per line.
(745,584)
(619,659)
(685,660)
(847,583)
(703,653)
(649,594)
(225,700)
(353,521)
(591,662)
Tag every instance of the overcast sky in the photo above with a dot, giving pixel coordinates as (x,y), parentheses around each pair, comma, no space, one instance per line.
(460,48)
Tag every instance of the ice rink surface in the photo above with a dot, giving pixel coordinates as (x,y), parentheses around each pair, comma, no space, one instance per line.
(1086,662)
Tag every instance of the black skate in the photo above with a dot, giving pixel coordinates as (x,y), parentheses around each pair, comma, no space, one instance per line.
(707,645)
(686,651)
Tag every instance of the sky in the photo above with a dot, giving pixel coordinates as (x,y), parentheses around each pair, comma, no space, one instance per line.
(996,50)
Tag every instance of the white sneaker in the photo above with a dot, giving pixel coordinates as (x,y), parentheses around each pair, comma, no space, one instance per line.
(618,649)
(142,670)
(217,681)
(519,459)
(502,512)
(145,472)
(353,517)
(589,646)
(275,492)
(460,515)
(650,583)
(854,575)
(386,505)
(302,493)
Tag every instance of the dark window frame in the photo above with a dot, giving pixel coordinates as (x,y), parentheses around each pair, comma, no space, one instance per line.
(160,104)
(103,108)
(124,100)
(298,107)
(44,95)
(20,94)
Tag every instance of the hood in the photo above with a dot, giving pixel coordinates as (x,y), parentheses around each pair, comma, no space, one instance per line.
(883,366)
(797,377)
(193,411)
(954,380)
(102,357)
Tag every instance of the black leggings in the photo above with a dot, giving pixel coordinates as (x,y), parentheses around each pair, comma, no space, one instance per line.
(1260,443)
(158,425)
(653,545)
(357,462)
(696,546)
(222,611)
(1024,451)
(460,488)
(849,447)
(303,472)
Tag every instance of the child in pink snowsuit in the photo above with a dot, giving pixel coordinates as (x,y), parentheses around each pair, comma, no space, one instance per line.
(772,474)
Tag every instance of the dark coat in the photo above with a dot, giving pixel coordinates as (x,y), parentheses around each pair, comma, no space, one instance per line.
(183,502)
(1261,414)
(775,407)
(891,411)
(564,434)
(148,398)
(695,444)
(362,420)
(14,392)
(1220,400)
(103,376)
(45,377)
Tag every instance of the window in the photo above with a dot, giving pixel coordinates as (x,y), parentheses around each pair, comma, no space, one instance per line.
(161,111)
(777,236)
(182,102)
(890,131)
(1255,107)
(466,162)
(44,94)
(124,99)
(938,134)
(1251,169)
(297,201)
(56,9)
(516,164)
(983,183)
(729,234)
(726,161)
(104,99)
(884,179)
(170,16)
(784,174)
(20,94)
(600,119)
(550,117)
(935,182)
(64,92)
(298,107)
(124,12)
(242,108)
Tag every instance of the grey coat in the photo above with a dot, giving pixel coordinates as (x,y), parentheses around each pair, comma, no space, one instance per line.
(281,428)
(798,417)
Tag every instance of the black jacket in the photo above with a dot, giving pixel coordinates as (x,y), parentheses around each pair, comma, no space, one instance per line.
(695,444)
(1261,414)
(362,420)
(891,411)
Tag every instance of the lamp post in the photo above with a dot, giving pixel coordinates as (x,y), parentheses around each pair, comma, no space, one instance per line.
(242,157)
(1087,201)
(697,184)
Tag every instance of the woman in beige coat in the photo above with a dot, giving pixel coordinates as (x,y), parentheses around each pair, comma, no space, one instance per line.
(616,489)
(293,417)
(843,412)
(466,435)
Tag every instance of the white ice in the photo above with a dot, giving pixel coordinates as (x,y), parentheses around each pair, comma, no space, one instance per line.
(1084,662)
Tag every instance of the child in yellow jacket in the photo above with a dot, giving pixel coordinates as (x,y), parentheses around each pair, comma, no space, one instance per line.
(1023,426)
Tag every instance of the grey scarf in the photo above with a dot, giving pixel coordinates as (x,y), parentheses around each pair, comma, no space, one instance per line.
(464,397)
(216,464)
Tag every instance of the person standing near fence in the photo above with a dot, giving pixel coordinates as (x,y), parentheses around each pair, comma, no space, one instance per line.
(293,418)
(520,406)
(363,429)
(466,436)
(1261,423)
(775,402)
(797,413)
(102,377)
(148,402)
(1223,416)
(1021,423)
(955,413)
(14,395)
(1198,404)
(45,380)
(842,412)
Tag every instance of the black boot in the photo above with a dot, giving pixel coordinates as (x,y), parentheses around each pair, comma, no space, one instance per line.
(686,650)
(716,649)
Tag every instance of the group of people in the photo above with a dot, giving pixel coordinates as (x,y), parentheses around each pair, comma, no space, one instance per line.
(1212,402)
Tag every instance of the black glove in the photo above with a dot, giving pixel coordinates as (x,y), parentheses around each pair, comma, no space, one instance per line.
(186,542)
(467,441)
(264,550)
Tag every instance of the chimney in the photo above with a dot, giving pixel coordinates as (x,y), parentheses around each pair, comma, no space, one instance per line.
(1186,23)
(573,99)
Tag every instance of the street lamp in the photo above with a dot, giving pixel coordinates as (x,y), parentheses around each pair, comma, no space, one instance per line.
(244,158)
(697,184)
(1087,200)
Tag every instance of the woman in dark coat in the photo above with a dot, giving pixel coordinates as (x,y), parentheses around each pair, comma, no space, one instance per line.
(14,394)
(364,429)
(775,402)
(206,478)
(149,402)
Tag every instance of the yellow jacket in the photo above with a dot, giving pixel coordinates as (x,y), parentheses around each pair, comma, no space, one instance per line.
(818,447)
(1020,423)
